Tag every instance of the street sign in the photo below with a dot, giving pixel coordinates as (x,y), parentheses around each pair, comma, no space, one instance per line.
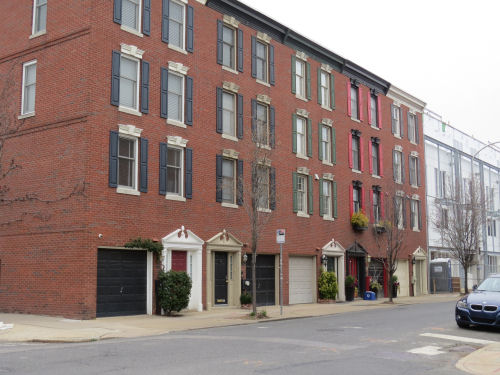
(280,236)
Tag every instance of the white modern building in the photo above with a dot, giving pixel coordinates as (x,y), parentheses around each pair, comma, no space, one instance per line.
(449,155)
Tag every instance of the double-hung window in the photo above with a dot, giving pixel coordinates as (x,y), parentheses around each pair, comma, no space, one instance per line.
(263,117)
(129,82)
(29,88)
(377,204)
(229,173)
(354,102)
(262,124)
(397,121)
(398,166)
(177,27)
(127,162)
(228,47)
(262,187)
(229,113)
(356,152)
(325,88)
(415,214)
(414,168)
(301,136)
(263,59)
(326,143)
(375,157)
(228,181)
(176,169)
(229,44)
(301,77)
(399,211)
(176,95)
(302,194)
(39,17)
(356,198)
(327,197)
(492,227)
(374,111)
(176,24)
(412,128)
(131,14)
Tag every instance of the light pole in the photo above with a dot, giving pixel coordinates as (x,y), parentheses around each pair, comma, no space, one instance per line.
(485,250)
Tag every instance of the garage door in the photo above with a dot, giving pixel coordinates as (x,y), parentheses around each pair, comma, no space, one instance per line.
(266,285)
(301,275)
(121,282)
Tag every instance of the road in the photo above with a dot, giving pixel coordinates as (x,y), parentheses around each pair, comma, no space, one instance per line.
(405,339)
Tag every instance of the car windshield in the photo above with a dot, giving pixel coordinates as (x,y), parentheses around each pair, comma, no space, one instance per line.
(491,284)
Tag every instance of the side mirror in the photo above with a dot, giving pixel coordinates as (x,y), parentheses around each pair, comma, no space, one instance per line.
(474,287)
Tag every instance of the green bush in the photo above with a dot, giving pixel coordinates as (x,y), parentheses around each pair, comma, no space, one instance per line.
(245,298)
(350,281)
(174,291)
(327,285)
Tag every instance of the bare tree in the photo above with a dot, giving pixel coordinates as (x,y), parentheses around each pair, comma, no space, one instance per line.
(390,233)
(457,218)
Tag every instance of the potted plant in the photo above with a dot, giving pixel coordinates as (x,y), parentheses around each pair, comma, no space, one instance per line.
(350,284)
(395,286)
(359,221)
(380,227)
(245,300)
(327,286)
(375,287)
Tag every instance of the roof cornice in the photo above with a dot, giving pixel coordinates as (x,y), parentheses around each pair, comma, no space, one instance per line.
(408,100)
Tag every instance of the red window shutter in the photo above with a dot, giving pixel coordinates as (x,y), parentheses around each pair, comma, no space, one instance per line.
(350,201)
(360,104)
(370,206)
(370,161)
(349,112)
(379,112)
(380,163)
(362,193)
(382,208)
(350,150)
(369,98)
(361,154)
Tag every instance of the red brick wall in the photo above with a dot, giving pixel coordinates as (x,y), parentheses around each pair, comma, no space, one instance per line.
(74,82)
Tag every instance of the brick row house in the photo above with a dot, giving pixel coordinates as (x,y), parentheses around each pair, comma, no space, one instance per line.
(142,118)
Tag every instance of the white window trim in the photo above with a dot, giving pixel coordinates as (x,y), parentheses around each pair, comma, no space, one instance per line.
(132,55)
(327,178)
(125,133)
(230,21)
(182,49)
(231,89)
(302,155)
(232,155)
(131,50)
(304,173)
(415,227)
(262,38)
(139,23)
(181,196)
(234,29)
(302,58)
(171,121)
(25,65)
(41,32)
(330,161)
(329,96)
(265,101)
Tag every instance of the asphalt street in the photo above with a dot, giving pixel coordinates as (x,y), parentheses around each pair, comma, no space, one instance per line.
(406,339)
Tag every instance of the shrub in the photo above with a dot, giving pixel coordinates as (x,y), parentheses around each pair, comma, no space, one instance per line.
(327,285)
(245,298)
(174,291)
(350,281)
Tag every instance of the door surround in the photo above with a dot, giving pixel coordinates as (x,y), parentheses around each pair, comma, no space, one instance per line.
(335,249)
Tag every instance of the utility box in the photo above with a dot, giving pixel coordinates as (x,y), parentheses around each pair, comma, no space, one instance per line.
(370,296)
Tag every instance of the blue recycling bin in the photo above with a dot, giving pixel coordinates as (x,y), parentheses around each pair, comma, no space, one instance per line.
(370,296)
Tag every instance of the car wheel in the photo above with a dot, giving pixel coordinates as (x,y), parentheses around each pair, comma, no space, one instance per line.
(462,325)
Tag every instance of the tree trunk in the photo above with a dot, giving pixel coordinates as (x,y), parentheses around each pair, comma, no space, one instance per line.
(390,287)
(254,281)
(466,287)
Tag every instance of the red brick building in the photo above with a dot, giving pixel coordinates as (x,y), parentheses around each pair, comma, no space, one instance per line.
(141,118)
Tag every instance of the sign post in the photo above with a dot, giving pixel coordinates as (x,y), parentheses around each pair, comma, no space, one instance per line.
(280,238)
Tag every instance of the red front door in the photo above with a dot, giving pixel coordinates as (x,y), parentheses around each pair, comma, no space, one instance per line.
(179,261)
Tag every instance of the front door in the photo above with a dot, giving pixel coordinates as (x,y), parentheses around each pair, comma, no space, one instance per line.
(220,278)
(179,261)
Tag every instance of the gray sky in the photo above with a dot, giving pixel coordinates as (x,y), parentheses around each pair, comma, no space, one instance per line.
(444,52)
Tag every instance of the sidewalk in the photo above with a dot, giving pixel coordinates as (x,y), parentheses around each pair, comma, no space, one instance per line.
(36,328)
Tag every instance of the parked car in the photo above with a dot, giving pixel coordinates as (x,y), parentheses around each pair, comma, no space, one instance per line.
(482,306)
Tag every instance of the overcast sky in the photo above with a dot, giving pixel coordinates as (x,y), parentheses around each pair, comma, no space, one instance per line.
(444,52)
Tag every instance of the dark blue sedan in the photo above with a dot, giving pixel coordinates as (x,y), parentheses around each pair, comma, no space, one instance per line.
(482,306)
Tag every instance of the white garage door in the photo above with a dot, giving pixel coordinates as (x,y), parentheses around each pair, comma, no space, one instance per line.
(301,280)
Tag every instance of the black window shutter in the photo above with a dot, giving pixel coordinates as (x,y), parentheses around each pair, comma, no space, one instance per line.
(272,115)
(115,78)
(254,57)
(145,87)
(294,186)
(117,11)
(417,135)
(189,101)
(308,81)
(190,29)
(271,65)
(272,186)
(218,175)
(239,196)
(254,120)
(321,197)
(335,199)
(310,202)
(146,17)
(408,123)
(219,42)
(403,202)
(294,71)
(164,22)
(412,221)
(163,168)
(403,177)
(240,117)
(393,120)
(143,177)
(401,119)
(410,167)
(113,158)
(419,207)
(394,171)
(319,86)
(240,50)
(418,173)
(218,126)
(164,93)
(309,138)
(189,173)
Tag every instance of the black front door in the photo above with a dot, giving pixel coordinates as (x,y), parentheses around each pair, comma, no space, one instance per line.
(220,278)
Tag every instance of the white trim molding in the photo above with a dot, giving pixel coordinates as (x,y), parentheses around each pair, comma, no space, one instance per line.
(406,99)
(131,50)
(176,141)
(230,20)
(177,67)
(230,86)
(129,130)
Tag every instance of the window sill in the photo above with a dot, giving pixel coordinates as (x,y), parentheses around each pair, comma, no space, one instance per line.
(327,163)
(177,198)
(356,171)
(178,49)
(263,83)
(303,214)
(300,97)
(376,176)
(399,182)
(266,210)
(355,119)
(26,115)
(36,35)
(397,136)
(176,123)
(131,31)
(264,147)
(230,137)
(130,111)
(328,218)
(375,127)
(327,108)
(228,69)
(414,143)
(300,156)
(127,191)
(414,186)
(415,229)
(229,205)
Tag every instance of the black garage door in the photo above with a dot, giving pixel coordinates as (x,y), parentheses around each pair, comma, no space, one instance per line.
(265,279)
(121,282)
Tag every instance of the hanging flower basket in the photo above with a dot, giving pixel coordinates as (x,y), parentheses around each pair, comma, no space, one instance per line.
(359,221)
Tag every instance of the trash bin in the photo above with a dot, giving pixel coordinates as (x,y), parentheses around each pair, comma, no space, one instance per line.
(370,296)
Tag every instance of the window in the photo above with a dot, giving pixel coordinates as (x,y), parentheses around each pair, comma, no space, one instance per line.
(396,117)
(229,44)
(354,102)
(229,173)
(327,143)
(375,159)
(492,227)
(412,128)
(174,171)
(301,136)
(262,124)
(325,89)
(377,204)
(176,100)
(414,171)
(175,97)
(176,19)
(29,88)
(229,114)
(261,61)
(415,214)
(374,111)
(302,194)
(131,14)
(443,222)
(398,167)
(441,182)
(356,150)
(263,185)
(327,198)
(127,162)
(399,211)
(39,16)
(356,198)
(492,264)
(228,47)
(129,78)
(300,78)
(228,181)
